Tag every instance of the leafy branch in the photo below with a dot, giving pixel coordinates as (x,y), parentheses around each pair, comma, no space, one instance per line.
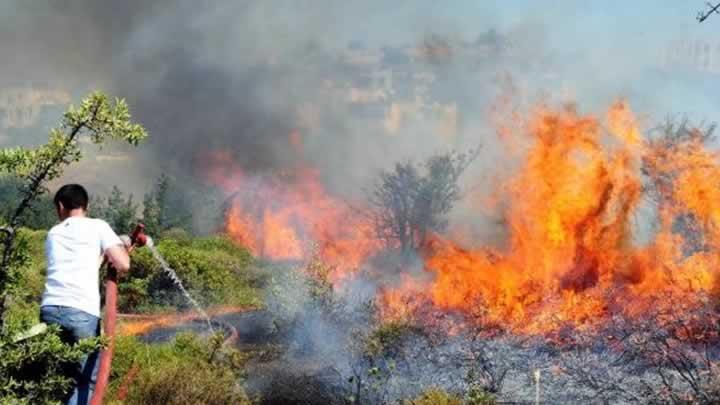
(97,118)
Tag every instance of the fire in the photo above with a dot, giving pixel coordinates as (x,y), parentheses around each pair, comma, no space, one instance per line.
(281,216)
(570,257)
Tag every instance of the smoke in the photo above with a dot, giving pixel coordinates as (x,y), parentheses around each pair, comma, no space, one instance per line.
(359,86)
(241,76)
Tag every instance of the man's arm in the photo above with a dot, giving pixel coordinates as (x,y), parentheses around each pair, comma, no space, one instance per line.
(116,249)
(119,258)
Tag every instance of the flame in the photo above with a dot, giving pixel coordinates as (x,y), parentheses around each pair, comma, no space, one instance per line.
(282,215)
(571,257)
(136,324)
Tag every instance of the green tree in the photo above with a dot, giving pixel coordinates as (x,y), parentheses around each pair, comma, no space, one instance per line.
(118,210)
(96,117)
(23,361)
(165,207)
(40,216)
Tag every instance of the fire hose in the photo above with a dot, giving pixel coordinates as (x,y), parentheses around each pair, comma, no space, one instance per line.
(139,239)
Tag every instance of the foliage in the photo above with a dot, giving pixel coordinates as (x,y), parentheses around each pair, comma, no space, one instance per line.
(413,200)
(478,396)
(434,396)
(40,216)
(295,293)
(213,269)
(187,370)
(117,210)
(30,368)
(165,208)
(386,337)
(96,117)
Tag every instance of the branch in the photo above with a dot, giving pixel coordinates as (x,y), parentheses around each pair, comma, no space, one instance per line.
(704,16)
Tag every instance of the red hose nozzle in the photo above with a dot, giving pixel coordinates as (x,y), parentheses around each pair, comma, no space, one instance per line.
(138,237)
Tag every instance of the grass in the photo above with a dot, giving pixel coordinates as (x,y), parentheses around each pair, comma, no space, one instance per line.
(213,269)
(187,370)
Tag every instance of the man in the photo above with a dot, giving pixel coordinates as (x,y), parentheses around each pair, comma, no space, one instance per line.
(75,249)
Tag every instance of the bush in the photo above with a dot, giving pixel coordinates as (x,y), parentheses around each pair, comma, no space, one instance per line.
(187,370)
(213,269)
(297,294)
(434,396)
(22,310)
(31,370)
(387,337)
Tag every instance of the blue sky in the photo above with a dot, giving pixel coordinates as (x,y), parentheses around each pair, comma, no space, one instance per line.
(566,21)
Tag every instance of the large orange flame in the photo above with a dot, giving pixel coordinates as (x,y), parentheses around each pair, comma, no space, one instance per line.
(282,215)
(571,257)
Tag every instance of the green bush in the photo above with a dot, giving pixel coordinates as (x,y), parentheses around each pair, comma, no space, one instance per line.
(478,396)
(187,370)
(438,396)
(434,396)
(31,370)
(213,269)
(384,340)
(22,308)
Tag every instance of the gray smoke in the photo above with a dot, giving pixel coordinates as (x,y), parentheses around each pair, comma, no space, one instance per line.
(240,76)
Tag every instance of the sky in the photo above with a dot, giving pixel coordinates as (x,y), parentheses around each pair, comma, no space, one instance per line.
(572,21)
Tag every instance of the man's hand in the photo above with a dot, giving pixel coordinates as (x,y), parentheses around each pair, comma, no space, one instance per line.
(119,258)
(128,243)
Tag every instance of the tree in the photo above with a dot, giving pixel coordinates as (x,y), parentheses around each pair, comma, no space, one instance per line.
(27,369)
(119,211)
(96,117)
(670,140)
(413,200)
(40,216)
(165,207)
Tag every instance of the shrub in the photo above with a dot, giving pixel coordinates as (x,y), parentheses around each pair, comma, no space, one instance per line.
(187,383)
(296,294)
(478,396)
(434,396)
(31,370)
(386,337)
(213,269)
(187,370)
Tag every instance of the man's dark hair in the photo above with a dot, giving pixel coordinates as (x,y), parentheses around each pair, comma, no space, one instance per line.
(71,196)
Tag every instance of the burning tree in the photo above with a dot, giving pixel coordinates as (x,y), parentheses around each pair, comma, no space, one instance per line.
(413,200)
(671,139)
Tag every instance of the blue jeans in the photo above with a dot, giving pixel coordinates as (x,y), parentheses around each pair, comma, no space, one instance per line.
(75,325)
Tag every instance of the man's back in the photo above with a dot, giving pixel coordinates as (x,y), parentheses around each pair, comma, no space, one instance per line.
(74,251)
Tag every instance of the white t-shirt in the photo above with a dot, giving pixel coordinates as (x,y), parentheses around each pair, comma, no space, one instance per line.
(74,249)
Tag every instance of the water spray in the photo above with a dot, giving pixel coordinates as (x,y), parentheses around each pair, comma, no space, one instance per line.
(138,238)
(178,283)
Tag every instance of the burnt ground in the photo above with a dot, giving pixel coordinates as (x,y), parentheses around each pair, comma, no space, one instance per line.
(283,370)
(273,375)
